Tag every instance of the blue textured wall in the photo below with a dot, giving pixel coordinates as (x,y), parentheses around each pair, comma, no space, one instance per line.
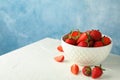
(25,21)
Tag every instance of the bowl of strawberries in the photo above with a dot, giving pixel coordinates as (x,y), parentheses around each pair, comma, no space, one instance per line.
(86,48)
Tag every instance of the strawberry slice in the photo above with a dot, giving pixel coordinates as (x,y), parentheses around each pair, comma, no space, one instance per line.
(59,58)
(59,48)
(75,69)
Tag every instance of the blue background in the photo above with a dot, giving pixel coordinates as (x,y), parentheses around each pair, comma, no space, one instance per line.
(25,21)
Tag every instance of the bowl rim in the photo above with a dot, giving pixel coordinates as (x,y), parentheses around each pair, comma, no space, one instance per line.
(87,47)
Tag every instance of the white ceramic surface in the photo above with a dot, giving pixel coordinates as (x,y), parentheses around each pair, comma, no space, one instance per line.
(36,62)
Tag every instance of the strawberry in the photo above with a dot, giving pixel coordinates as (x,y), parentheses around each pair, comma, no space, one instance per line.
(75,33)
(91,43)
(95,35)
(83,37)
(59,58)
(59,48)
(83,44)
(70,41)
(98,44)
(86,70)
(97,72)
(106,40)
(75,69)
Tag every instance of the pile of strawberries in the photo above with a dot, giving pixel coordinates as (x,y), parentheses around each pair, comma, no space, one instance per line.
(90,38)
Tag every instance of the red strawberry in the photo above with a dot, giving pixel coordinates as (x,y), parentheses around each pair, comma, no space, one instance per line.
(91,43)
(97,72)
(106,40)
(98,44)
(83,37)
(86,70)
(96,35)
(83,44)
(59,58)
(70,41)
(75,69)
(59,48)
(75,33)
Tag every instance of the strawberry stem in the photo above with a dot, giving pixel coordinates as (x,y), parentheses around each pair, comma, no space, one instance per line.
(101,67)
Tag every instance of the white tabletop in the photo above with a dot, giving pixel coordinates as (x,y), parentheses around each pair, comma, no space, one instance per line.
(36,62)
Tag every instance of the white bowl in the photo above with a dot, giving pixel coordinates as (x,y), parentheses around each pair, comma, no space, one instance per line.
(85,55)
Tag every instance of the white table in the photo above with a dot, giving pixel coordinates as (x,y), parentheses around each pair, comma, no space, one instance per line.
(36,62)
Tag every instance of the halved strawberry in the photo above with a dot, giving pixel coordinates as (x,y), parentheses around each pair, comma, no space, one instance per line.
(59,58)
(75,69)
(83,37)
(59,48)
